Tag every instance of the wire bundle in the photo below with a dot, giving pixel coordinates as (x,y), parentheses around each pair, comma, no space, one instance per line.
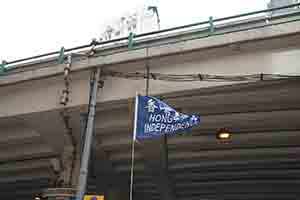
(197,77)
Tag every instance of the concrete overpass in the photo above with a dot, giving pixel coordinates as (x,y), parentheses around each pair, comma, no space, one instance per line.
(40,148)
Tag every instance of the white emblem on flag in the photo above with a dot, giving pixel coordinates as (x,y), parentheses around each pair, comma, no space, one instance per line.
(165,108)
(194,119)
(151,106)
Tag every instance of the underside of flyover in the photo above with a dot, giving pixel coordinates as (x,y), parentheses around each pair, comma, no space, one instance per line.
(260,161)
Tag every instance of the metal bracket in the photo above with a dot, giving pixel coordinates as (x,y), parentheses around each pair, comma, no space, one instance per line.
(92,51)
(211,25)
(130,40)
(61,57)
(3,66)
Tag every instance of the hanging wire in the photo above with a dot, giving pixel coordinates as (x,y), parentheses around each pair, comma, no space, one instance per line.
(195,77)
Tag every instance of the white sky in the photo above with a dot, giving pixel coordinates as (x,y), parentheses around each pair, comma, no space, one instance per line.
(30,27)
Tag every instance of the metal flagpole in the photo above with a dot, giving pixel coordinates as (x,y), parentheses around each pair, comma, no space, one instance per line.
(88,137)
(133,145)
(131,173)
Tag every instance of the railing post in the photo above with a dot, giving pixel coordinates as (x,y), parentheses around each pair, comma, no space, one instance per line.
(3,66)
(211,25)
(130,40)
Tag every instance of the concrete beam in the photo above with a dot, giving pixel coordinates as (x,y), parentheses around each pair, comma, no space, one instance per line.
(24,165)
(43,95)
(207,176)
(26,152)
(242,185)
(233,154)
(28,176)
(242,196)
(239,140)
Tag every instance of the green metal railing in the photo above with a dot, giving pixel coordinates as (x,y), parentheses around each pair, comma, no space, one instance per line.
(5,66)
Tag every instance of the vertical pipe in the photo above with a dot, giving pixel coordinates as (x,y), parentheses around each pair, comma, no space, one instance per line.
(147,73)
(132,167)
(83,124)
(88,137)
(133,146)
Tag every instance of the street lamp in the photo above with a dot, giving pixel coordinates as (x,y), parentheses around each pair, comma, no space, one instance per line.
(223,134)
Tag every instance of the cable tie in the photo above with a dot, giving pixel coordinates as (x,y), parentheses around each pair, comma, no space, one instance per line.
(66,91)
(94,42)
(101,83)
(61,57)
(200,77)
(3,66)
(261,76)
(67,68)
(92,50)
(153,76)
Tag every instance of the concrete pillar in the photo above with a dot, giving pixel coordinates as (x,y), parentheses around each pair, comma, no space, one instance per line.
(66,173)
(65,184)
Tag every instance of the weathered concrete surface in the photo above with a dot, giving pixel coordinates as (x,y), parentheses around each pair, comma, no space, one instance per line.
(42,95)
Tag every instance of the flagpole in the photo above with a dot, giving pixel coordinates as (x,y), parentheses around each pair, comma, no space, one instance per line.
(133,146)
(132,171)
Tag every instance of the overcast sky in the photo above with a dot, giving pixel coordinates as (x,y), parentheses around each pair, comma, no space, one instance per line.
(30,27)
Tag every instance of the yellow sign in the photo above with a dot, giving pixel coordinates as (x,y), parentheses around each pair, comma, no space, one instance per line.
(93,197)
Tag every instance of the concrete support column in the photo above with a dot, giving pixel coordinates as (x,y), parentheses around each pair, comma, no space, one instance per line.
(64,185)
(66,172)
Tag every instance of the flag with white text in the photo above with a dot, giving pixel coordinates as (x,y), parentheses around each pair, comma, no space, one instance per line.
(153,118)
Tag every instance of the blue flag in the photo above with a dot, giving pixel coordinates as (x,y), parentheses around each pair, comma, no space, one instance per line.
(154,118)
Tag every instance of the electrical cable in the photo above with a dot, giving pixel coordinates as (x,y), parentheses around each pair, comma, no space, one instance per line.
(197,77)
